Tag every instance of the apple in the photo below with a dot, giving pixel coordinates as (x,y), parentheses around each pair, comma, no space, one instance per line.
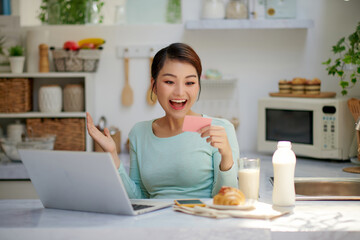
(87,46)
(71,45)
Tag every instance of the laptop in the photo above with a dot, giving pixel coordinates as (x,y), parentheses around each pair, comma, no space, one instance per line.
(82,181)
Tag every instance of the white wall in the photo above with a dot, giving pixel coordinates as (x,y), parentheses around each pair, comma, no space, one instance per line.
(258,58)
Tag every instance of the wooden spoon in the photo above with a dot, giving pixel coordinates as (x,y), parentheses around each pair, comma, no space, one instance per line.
(150,98)
(127,95)
(354,106)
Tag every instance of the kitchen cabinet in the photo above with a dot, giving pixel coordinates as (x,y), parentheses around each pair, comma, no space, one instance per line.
(17,189)
(249,24)
(62,79)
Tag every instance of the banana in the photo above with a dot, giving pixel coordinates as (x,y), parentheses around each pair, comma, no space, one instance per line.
(96,41)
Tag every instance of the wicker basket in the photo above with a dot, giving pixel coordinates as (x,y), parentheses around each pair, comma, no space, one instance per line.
(15,95)
(70,132)
(83,60)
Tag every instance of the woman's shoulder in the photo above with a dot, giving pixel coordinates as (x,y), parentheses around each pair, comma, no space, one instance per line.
(141,127)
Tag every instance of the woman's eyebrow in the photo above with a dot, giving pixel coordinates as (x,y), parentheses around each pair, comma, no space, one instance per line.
(191,76)
(172,75)
(168,74)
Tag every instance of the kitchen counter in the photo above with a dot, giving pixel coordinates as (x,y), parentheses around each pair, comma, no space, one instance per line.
(27,219)
(15,170)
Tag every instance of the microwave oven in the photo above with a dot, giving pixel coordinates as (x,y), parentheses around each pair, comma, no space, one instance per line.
(320,128)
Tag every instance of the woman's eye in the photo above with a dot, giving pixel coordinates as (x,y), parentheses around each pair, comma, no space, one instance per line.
(190,83)
(168,82)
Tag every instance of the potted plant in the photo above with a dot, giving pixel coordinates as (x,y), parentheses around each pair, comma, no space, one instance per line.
(347,65)
(347,68)
(16,58)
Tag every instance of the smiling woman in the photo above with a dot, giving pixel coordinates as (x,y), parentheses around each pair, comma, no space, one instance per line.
(166,162)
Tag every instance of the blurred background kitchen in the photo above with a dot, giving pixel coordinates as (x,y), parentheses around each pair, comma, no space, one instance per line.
(249,59)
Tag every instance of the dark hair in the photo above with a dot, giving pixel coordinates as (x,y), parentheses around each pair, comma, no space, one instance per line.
(176,51)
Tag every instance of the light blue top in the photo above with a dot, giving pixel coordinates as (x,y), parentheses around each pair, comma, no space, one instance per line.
(181,166)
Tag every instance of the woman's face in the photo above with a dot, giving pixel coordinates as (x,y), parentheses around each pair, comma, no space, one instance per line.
(177,88)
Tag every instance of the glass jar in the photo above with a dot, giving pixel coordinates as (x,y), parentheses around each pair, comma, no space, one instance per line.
(120,12)
(173,12)
(237,9)
(92,15)
(213,9)
(53,12)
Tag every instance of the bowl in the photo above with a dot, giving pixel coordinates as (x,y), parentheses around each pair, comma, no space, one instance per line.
(11,147)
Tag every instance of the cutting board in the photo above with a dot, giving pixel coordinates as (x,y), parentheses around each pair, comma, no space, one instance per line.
(321,95)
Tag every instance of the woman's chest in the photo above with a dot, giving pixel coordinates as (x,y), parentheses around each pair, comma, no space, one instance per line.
(177,165)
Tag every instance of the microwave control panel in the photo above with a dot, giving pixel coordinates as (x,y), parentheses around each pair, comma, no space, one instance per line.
(328,123)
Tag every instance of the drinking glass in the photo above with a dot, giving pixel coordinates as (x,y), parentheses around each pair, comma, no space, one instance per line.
(249,177)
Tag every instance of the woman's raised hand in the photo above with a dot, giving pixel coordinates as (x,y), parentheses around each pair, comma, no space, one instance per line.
(105,140)
(217,137)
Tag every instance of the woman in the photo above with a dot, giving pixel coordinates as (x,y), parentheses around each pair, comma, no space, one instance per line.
(164,161)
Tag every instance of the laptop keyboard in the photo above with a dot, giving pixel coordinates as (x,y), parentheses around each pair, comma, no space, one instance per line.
(138,207)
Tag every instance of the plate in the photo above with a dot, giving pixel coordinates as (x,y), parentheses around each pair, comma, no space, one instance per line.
(249,204)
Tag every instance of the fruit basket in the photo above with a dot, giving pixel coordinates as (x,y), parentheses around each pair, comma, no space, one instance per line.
(83,60)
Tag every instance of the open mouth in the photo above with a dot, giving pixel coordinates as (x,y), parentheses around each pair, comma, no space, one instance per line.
(178,104)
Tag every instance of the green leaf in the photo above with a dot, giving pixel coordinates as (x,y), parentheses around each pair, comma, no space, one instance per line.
(347,59)
(332,70)
(338,49)
(16,51)
(343,92)
(327,62)
(340,41)
(337,62)
(344,84)
(358,70)
(353,80)
(340,73)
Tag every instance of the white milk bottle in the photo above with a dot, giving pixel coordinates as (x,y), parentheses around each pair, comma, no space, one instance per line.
(284,161)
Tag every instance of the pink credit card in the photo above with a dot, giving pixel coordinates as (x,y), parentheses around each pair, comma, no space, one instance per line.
(194,123)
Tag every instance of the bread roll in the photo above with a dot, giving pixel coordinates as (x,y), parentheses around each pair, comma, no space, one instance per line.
(313,87)
(284,86)
(229,196)
(298,85)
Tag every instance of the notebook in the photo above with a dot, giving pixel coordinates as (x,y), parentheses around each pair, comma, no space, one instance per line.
(82,181)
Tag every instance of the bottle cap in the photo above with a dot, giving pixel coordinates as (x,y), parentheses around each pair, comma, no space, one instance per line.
(282,144)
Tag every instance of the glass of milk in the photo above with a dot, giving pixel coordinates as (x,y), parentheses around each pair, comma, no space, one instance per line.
(249,177)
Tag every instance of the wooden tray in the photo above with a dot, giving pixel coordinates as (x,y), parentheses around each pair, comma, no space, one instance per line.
(321,95)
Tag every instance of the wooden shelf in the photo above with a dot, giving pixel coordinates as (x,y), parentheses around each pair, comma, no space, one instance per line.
(249,24)
(321,95)
(220,82)
(61,79)
(45,75)
(44,115)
